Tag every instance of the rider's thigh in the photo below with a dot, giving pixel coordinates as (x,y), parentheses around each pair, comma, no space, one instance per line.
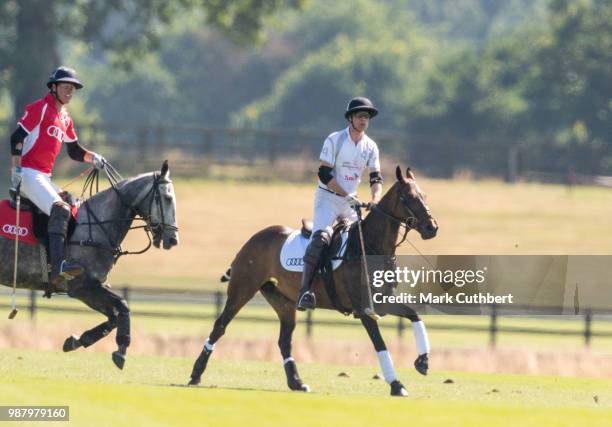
(38,187)
(325,211)
(347,212)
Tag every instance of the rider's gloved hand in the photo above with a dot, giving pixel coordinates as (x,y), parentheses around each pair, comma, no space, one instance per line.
(352,201)
(370,206)
(16,177)
(97,160)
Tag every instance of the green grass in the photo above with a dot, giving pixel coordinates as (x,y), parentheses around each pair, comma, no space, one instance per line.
(150,392)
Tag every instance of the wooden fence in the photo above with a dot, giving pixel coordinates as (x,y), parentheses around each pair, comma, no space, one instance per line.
(216,299)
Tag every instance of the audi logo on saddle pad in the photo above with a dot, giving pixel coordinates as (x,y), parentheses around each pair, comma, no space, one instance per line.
(294,262)
(12,229)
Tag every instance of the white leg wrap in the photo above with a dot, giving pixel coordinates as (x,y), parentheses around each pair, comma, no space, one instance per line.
(420,335)
(287,360)
(208,346)
(386,364)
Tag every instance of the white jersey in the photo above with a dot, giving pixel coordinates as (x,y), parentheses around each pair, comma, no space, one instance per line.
(349,160)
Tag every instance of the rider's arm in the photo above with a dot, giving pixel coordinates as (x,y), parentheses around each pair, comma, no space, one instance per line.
(17,139)
(376,178)
(77,152)
(376,185)
(332,184)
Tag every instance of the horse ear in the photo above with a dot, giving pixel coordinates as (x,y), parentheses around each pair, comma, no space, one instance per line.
(409,173)
(398,174)
(165,168)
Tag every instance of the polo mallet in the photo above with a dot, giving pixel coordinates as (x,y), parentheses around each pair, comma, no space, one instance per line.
(366,294)
(14,310)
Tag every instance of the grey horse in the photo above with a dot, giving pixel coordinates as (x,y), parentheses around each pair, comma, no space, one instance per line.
(103,221)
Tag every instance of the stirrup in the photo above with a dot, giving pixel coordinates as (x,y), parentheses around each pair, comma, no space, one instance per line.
(67,272)
(307,301)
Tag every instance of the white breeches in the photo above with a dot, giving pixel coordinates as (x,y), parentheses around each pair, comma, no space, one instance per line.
(328,208)
(37,187)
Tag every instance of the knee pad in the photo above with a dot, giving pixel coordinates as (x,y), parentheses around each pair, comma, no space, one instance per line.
(320,240)
(58,220)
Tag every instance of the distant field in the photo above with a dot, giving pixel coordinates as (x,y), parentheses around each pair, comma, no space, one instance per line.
(150,392)
(475,217)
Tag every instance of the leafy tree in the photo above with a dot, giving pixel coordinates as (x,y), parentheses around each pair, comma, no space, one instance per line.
(34,29)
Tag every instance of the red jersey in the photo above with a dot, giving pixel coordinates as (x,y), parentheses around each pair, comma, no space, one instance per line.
(47,128)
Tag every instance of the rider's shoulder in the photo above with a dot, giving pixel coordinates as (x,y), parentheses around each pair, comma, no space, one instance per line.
(369,141)
(36,105)
(336,135)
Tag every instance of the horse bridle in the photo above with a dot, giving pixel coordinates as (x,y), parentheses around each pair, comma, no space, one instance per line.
(149,227)
(155,197)
(408,223)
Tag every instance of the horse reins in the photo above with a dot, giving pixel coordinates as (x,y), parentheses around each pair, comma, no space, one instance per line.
(409,223)
(114,177)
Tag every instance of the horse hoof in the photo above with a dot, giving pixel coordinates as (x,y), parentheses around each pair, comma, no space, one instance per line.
(397,389)
(299,386)
(118,359)
(194,381)
(71,344)
(421,364)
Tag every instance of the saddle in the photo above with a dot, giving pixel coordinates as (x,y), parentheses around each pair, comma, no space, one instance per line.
(32,221)
(292,252)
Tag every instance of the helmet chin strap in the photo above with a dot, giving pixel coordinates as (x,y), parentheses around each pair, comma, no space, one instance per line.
(353,126)
(55,95)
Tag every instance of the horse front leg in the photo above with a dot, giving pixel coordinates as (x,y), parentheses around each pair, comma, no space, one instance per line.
(421,363)
(101,299)
(384,357)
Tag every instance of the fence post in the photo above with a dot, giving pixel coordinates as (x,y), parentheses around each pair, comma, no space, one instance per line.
(493,327)
(309,323)
(32,304)
(207,144)
(400,327)
(218,303)
(588,333)
(272,148)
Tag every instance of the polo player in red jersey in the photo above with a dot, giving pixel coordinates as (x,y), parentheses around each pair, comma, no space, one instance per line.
(41,131)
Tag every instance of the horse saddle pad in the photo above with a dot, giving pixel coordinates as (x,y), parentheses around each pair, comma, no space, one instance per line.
(294,248)
(8,224)
(32,223)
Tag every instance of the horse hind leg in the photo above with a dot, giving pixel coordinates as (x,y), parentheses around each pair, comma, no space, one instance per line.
(285,309)
(90,336)
(237,297)
(101,299)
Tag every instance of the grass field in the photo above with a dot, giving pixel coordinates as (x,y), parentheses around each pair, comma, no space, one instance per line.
(475,217)
(150,392)
(216,218)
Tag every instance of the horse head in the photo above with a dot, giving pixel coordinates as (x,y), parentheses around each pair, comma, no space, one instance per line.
(409,205)
(158,208)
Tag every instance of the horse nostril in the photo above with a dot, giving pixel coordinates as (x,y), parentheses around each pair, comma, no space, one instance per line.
(173,241)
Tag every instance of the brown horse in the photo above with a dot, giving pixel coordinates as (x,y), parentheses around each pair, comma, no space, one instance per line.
(257,268)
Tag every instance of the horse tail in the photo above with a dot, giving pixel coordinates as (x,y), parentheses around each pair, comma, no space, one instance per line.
(227,275)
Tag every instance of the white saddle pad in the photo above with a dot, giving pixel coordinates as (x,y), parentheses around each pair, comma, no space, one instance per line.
(294,248)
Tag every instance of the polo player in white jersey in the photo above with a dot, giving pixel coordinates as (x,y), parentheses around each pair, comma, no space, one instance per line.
(344,157)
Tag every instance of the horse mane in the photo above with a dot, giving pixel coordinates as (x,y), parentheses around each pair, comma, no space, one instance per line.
(120,186)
